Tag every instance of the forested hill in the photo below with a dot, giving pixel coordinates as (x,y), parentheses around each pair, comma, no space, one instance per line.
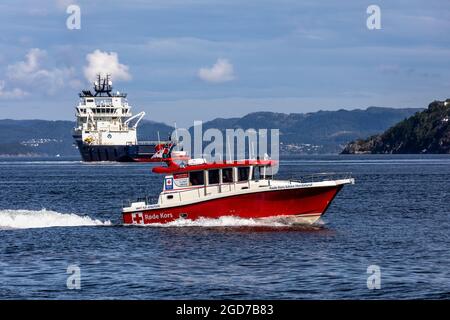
(318,132)
(425,132)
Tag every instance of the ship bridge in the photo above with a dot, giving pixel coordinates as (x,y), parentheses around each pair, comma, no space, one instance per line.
(103,103)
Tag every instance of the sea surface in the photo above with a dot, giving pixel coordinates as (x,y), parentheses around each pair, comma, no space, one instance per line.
(60,218)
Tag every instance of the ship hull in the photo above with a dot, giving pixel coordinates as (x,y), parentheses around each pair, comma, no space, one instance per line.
(120,153)
(302,205)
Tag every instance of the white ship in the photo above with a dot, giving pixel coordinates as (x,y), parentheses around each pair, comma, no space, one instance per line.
(106,128)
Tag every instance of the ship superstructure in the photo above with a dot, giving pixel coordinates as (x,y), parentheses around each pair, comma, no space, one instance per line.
(106,128)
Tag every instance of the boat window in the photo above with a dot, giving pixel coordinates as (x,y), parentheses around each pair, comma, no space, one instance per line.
(243,173)
(227,175)
(196,178)
(256,173)
(213,176)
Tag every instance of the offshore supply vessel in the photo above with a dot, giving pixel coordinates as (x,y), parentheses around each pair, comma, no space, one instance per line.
(106,129)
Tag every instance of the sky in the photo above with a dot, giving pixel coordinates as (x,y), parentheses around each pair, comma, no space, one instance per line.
(186,60)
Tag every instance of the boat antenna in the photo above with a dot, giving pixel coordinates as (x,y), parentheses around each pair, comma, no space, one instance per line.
(159,141)
(176,132)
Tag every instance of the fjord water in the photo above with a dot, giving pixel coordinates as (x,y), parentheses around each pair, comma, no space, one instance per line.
(59,213)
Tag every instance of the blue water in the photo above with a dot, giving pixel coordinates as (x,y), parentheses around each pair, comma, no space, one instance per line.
(396,216)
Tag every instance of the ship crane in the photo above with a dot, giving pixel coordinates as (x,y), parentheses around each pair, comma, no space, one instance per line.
(140,115)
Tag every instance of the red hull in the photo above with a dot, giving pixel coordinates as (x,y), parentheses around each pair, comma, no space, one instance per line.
(287,202)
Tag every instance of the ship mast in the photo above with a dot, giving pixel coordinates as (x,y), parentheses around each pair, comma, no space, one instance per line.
(103,87)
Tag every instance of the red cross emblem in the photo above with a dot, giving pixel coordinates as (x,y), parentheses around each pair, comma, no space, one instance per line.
(137,218)
(169,184)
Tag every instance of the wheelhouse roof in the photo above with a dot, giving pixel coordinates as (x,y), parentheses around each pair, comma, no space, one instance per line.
(172,167)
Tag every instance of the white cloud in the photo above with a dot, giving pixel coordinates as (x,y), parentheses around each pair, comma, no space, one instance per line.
(105,63)
(32,74)
(221,71)
(31,64)
(12,93)
(63,4)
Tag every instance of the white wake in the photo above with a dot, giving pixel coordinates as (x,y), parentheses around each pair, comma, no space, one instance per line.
(26,219)
(225,221)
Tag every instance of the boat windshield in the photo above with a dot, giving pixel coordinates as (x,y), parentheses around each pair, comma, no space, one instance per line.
(243,173)
(260,172)
(213,176)
(256,173)
(196,178)
(227,175)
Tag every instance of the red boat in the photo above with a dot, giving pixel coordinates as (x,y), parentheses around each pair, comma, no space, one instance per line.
(244,189)
(162,151)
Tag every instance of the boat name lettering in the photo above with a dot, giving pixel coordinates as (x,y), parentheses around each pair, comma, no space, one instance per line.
(291,186)
(155,216)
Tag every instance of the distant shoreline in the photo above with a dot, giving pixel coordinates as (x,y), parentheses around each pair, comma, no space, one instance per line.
(328,157)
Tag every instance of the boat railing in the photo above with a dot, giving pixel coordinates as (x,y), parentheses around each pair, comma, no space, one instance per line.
(150,142)
(127,203)
(322,176)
